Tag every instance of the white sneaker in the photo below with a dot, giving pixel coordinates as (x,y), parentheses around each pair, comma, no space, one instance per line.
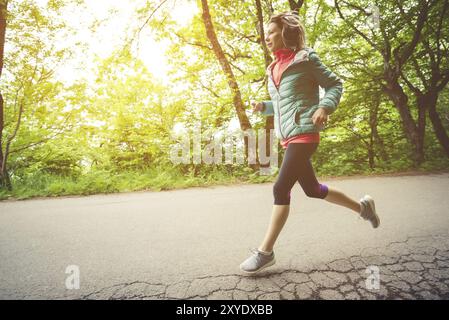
(369,211)
(257,262)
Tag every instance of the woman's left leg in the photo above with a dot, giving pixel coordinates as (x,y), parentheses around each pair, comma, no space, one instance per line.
(365,208)
(338,197)
(313,189)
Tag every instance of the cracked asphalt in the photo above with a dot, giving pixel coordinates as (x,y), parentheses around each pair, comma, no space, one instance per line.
(187,244)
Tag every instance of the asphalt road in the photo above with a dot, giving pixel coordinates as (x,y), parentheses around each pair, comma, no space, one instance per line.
(188,244)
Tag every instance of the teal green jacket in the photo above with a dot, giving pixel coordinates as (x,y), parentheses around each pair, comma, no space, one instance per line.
(297,98)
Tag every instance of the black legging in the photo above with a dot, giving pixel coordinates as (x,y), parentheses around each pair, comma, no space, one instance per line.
(296,166)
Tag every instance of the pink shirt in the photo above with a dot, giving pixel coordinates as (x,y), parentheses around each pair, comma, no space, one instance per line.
(283,58)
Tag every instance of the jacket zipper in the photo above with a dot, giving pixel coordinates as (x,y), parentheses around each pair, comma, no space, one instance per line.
(279,117)
(278,106)
(278,94)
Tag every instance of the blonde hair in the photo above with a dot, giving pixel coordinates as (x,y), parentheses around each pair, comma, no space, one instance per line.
(293,32)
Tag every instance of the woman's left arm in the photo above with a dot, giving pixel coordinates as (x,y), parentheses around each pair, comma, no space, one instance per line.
(328,80)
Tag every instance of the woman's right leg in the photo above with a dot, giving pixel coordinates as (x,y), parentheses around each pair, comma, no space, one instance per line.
(279,216)
(264,256)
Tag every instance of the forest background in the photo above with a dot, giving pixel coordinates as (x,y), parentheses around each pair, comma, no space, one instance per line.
(95,94)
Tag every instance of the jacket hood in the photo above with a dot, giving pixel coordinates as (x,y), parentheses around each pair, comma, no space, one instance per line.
(301,55)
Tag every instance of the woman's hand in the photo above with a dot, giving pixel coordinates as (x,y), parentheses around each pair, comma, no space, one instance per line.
(257,106)
(320,116)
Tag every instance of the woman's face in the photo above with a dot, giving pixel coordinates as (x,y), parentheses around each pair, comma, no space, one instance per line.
(274,38)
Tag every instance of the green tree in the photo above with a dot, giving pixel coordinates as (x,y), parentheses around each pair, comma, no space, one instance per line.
(31,98)
(397,38)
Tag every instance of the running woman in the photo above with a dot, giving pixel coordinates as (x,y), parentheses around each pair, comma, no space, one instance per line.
(295,76)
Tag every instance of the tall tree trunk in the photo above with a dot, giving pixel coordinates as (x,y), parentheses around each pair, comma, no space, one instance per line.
(413,132)
(4,176)
(371,153)
(226,67)
(374,121)
(438,127)
(373,138)
(261,31)
(269,120)
(421,132)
